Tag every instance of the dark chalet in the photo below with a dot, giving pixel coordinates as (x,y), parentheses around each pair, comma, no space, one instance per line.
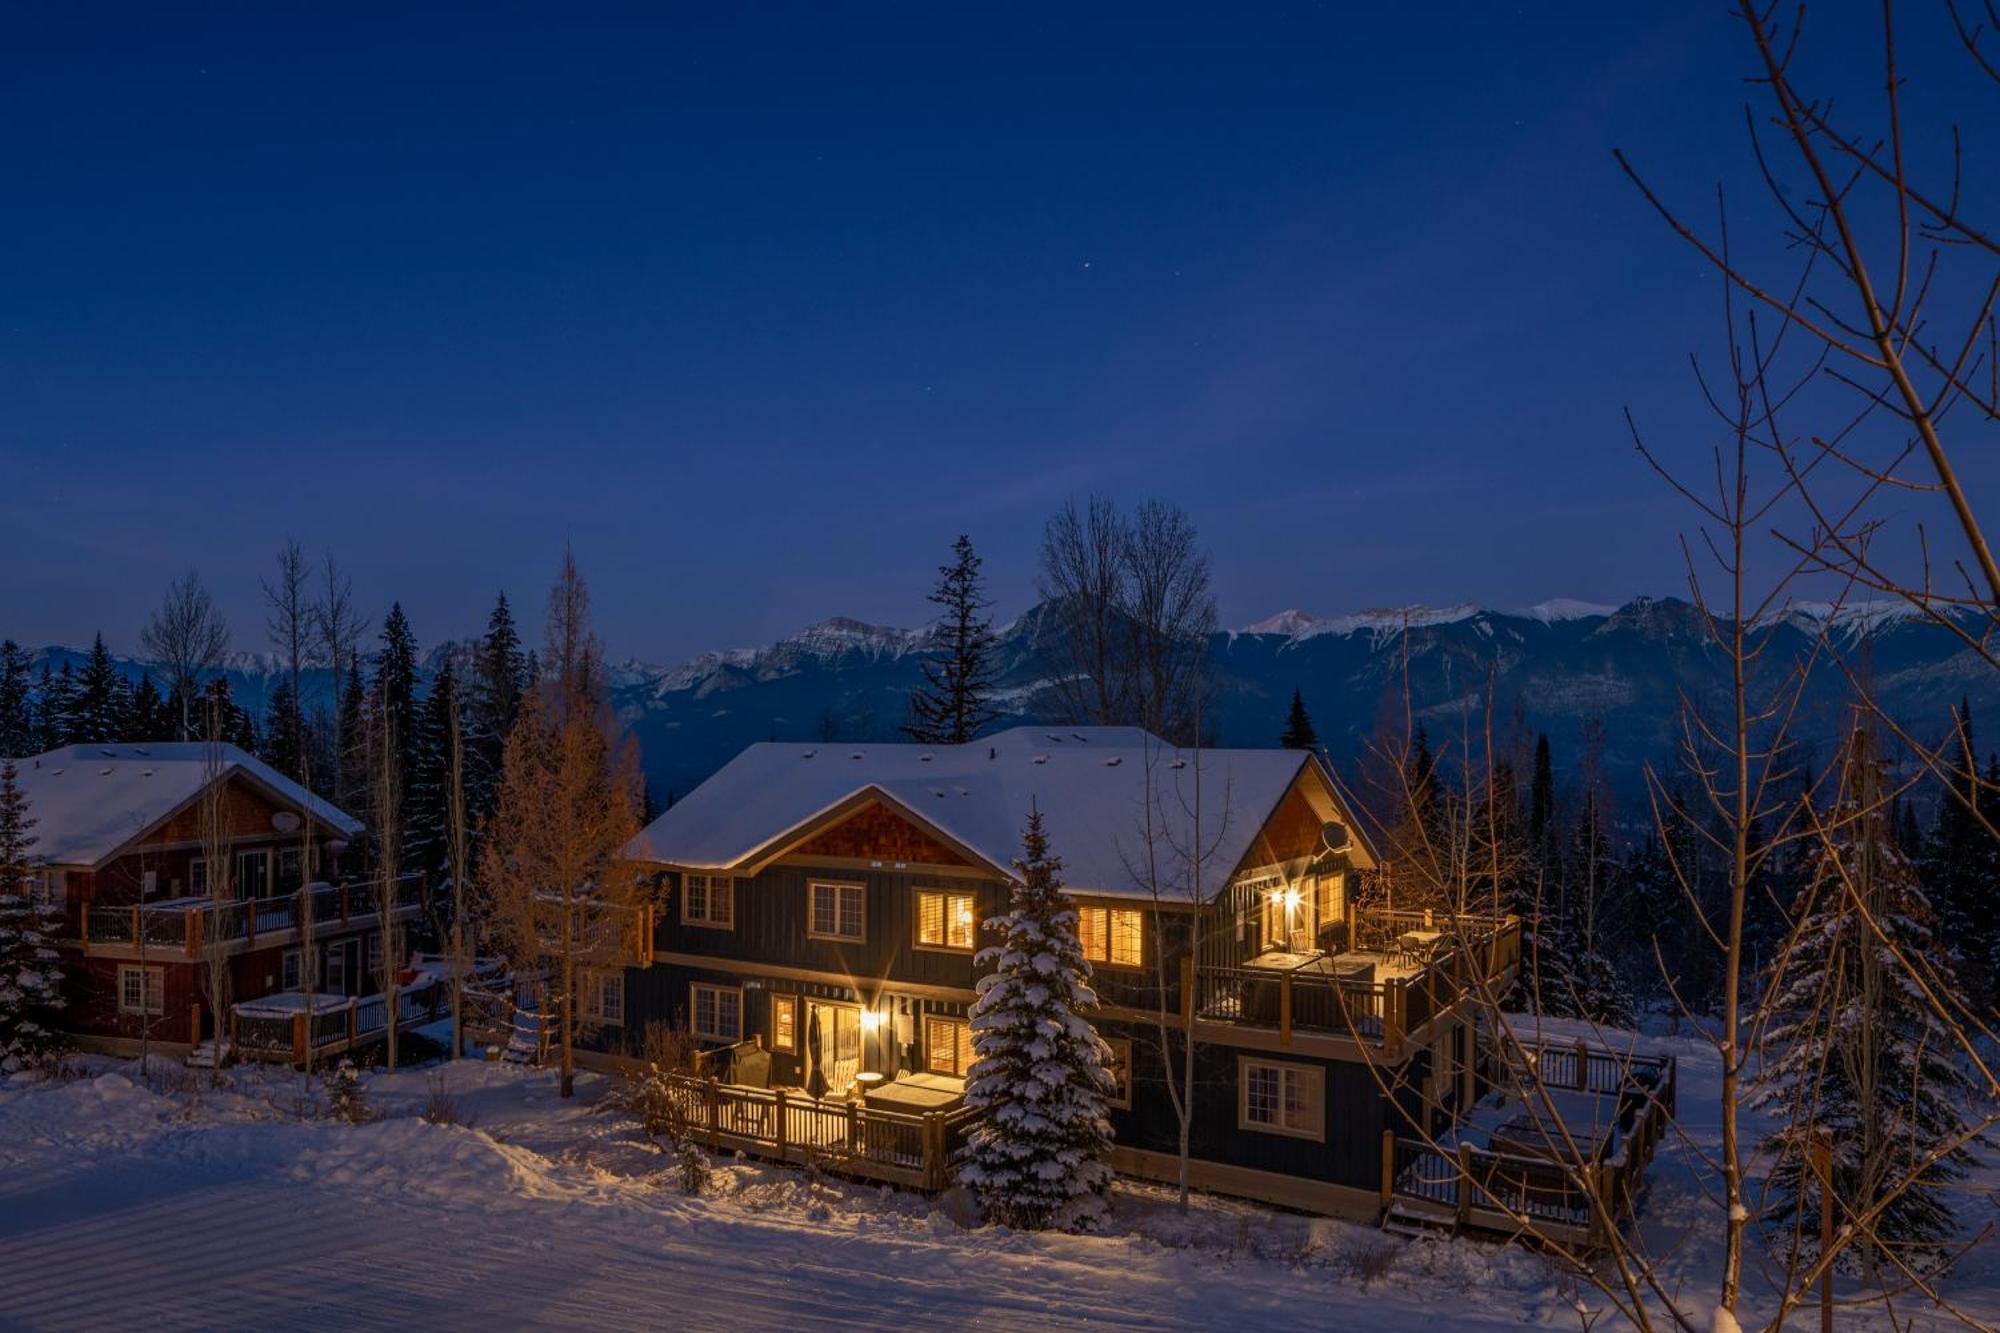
(819,915)
(125,835)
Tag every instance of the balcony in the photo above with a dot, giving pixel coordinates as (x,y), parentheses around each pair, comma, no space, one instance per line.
(1397,972)
(184,926)
(291,1025)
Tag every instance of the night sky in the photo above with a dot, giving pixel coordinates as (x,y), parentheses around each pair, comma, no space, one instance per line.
(760,306)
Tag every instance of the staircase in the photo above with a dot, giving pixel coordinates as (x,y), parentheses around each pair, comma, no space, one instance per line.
(208,1056)
(525,1041)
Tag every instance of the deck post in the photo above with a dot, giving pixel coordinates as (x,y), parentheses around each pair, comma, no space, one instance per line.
(1388,1168)
(1464,1183)
(781,1124)
(191,932)
(1582,1066)
(1350,930)
(713,1096)
(350,1023)
(1285,1010)
(299,1037)
(194,1024)
(137,938)
(218,1037)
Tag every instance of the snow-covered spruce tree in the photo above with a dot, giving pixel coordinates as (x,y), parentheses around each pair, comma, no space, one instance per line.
(1038,1073)
(30,972)
(1858,1050)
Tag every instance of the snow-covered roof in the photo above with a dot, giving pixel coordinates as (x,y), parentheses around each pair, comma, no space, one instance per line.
(1090,783)
(90,800)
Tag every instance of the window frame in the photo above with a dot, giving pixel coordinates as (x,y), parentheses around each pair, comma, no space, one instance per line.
(152,990)
(198,876)
(839,887)
(281,877)
(1313,1077)
(1121,1051)
(695,989)
(790,1004)
(249,856)
(708,920)
(597,983)
(961,1050)
(1109,934)
(291,970)
(971,924)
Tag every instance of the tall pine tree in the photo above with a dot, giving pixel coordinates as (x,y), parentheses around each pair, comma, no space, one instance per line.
(30,963)
(499,674)
(1038,1076)
(428,847)
(955,700)
(103,699)
(1858,1050)
(1299,733)
(150,718)
(55,708)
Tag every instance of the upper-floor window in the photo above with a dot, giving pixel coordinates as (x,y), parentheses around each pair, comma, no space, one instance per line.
(289,969)
(708,900)
(253,874)
(838,911)
(288,870)
(1113,936)
(944,919)
(198,877)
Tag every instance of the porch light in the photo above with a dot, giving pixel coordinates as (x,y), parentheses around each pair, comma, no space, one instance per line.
(871,1019)
(1292,900)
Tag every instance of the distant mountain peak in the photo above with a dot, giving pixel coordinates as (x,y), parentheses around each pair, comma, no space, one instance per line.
(1297,624)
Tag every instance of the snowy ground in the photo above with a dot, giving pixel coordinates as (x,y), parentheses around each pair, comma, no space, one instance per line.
(141,1196)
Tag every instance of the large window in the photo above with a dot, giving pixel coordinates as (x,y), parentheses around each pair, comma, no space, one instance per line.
(142,990)
(944,919)
(1120,1069)
(604,997)
(1332,898)
(708,900)
(1281,1098)
(947,1046)
(717,1012)
(838,911)
(253,874)
(785,1023)
(289,879)
(1112,936)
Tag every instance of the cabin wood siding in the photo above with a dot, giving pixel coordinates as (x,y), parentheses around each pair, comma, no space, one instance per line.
(877,833)
(773,915)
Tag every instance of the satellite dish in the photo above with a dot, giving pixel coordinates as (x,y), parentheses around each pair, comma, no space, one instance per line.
(1334,837)
(285,821)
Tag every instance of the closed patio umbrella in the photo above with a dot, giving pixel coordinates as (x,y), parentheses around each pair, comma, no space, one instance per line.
(816,1081)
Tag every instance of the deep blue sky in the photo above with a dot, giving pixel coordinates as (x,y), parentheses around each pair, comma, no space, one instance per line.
(759,306)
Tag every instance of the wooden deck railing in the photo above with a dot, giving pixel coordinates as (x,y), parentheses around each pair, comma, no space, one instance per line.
(1568,1198)
(184,927)
(846,1137)
(261,1033)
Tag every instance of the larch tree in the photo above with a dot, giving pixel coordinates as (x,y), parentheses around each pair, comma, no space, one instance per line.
(187,636)
(955,701)
(1299,733)
(564,899)
(1038,1078)
(288,625)
(30,963)
(1858,1049)
(219,886)
(336,625)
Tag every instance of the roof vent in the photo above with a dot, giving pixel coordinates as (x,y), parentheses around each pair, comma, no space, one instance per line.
(105,772)
(809,754)
(925,758)
(109,754)
(992,752)
(145,772)
(1041,759)
(56,771)
(1057,739)
(142,752)
(1114,761)
(937,791)
(1081,738)
(855,755)
(1180,763)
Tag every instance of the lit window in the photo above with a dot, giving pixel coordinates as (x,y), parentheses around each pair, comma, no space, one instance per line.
(949,1044)
(142,990)
(717,1012)
(1114,936)
(837,911)
(944,920)
(785,1023)
(1332,898)
(1281,1098)
(708,900)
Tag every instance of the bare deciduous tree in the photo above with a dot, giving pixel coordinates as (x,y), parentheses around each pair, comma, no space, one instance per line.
(187,636)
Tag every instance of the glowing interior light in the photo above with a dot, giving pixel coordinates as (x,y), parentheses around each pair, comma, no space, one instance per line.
(870,1019)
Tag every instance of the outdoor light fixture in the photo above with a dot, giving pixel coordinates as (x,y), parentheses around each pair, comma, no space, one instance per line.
(1292,900)
(871,1019)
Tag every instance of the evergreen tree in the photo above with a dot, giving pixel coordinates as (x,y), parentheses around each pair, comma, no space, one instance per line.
(103,699)
(1576,976)
(1961,862)
(1299,733)
(284,730)
(428,847)
(955,700)
(499,674)
(1038,1073)
(393,706)
(1542,808)
(30,963)
(17,712)
(351,781)
(55,708)
(234,724)
(150,718)
(1859,1051)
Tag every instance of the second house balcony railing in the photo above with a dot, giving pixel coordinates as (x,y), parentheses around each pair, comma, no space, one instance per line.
(186,925)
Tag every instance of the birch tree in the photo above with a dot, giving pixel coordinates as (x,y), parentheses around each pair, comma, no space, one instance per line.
(187,636)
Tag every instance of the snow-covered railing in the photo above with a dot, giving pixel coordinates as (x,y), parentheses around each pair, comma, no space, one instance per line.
(184,925)
(290,1024)
(787,1124)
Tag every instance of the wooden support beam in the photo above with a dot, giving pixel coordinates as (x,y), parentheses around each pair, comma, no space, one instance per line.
(1388,1168)
(1464,1183)
(1285,1010)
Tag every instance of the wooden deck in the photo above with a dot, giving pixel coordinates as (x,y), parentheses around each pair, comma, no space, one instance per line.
(292,1027)
(842,1136)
